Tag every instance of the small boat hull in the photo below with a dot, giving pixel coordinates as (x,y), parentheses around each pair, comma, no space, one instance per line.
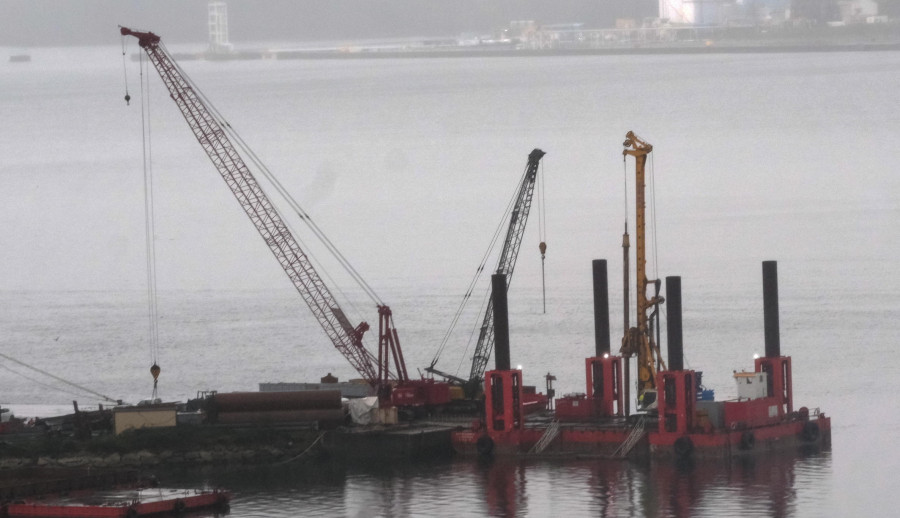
(116,505)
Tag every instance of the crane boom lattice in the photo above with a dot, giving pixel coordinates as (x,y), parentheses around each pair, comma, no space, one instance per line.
(262,213)
(507,262)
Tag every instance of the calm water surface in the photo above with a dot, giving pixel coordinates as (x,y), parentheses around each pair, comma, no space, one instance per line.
(407,165)
(759,487)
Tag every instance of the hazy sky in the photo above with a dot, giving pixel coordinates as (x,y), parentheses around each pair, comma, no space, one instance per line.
(87,22)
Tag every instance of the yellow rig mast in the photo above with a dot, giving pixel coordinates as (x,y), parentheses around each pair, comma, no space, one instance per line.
(639,340)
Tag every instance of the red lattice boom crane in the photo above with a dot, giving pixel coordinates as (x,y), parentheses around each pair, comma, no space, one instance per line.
(347,338)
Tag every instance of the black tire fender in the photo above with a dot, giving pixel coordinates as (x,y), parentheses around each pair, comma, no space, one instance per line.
(683,447)
(484,446)
(810,432)
(748,440)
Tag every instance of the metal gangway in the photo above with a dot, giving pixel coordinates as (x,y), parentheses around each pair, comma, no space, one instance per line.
(636,434)
(545,440)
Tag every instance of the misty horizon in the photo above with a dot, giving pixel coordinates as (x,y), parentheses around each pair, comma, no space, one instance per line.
(94,22)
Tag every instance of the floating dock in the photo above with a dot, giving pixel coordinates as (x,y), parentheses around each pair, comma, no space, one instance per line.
(405,442)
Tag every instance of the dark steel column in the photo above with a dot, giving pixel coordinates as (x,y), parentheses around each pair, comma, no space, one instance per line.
(601,307)
(770,309)
(501,322)
(626,311)
(675,338)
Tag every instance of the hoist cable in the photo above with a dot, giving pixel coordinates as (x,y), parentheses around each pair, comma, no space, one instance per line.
(464,302)
(498,231)
(307,219)
(470,289)
(279,187)
(57,378)
(542,207)
(475,329)
(473,283)
(125,71)
(153,313)
(653,216)
(625,183)
(41,383)
(627,265)
(542,230)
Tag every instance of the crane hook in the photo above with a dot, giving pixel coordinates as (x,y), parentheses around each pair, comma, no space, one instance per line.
(127,99)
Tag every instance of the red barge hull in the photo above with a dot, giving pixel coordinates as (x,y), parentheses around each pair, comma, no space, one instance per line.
(572,439)
(583,439)
(682,427)
(815,433)
(143,503)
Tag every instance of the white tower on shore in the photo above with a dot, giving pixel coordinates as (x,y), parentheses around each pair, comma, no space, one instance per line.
(677,11)
(218,28)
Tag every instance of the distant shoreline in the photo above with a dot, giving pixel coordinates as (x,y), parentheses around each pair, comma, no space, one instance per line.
(463,52)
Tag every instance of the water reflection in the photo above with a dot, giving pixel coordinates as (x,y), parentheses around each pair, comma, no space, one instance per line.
(504,486)
(760,486)
(770,486)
